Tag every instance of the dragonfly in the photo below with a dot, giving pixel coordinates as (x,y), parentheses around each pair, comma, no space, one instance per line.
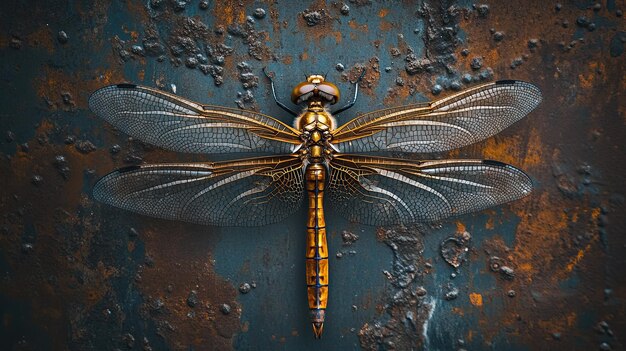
(314,160)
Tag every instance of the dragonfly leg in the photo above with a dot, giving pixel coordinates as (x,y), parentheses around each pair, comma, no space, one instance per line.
(283,106)
(356,93)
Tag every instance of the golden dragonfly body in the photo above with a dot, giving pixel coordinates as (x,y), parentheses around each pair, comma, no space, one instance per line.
(314,157)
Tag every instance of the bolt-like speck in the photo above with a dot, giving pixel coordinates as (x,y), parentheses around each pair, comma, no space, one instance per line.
(345,10)
(225,308)
(259,13)
(244,288)
(437,89)
(62,37)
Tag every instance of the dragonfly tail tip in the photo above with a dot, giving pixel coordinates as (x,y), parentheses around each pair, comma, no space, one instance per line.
(318,328)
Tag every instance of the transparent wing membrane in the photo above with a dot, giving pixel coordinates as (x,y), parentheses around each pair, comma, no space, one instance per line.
(445,124)
(263,190)
(174,123)
(249,192)
(384,191)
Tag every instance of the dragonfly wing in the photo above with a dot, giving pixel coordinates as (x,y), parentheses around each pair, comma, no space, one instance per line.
(445,124)
(174,123)
(249,192)
(385,191)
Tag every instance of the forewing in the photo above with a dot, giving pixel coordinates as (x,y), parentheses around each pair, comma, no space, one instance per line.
(248,192)
(174,123)
(384,191)
(445,124)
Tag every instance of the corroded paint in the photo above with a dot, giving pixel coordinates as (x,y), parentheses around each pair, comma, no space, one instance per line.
(75,276)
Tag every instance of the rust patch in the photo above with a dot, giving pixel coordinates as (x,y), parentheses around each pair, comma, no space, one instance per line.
(64,91)
(47,243)
(476,299)
(357,27)
(53,245)
(186,299)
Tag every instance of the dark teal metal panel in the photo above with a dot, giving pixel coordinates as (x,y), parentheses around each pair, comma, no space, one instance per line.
(76,276)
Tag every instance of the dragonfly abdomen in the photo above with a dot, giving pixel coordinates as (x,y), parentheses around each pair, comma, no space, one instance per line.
(317,248)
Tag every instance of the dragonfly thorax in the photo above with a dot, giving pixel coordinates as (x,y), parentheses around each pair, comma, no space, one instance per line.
(316,125)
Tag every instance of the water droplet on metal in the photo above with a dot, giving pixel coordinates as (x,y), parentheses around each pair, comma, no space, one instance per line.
(345,9)
(259,13)
(495,263)
(225,308)
(348,238)
(27,248)
(452,293)
(62,37)
(437,89)
(192,299)
(36,179)
(454,249)
(244,288)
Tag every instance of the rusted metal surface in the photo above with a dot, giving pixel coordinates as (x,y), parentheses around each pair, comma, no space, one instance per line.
(541,273)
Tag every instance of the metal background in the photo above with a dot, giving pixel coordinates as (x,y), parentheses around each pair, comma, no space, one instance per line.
(79,275)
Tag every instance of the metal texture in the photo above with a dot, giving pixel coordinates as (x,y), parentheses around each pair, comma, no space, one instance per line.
(541,273)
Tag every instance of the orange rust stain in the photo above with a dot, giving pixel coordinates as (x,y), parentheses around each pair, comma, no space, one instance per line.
(539,233)
(4,41)
(287,60)
(595,214)
(385,26)
(194,273)
(512,150)
(383,12)
(525,267)
(338,36)
(42,37)
(503,148)
(360,27)
(227,12)
(460,227)
(476,299)
(458,310)
(56,82)
(539,238)
(490,223)
(304,56)
(59,201)
(559,323)
(141,75)
(586,81)
(590,79)
(534,154)
(138,8)
(579,256)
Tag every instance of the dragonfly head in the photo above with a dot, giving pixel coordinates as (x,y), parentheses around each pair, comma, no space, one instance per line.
(315,88)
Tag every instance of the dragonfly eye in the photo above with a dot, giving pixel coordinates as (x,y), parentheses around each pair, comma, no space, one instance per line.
(305,90)
(302,92)
(329,91)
